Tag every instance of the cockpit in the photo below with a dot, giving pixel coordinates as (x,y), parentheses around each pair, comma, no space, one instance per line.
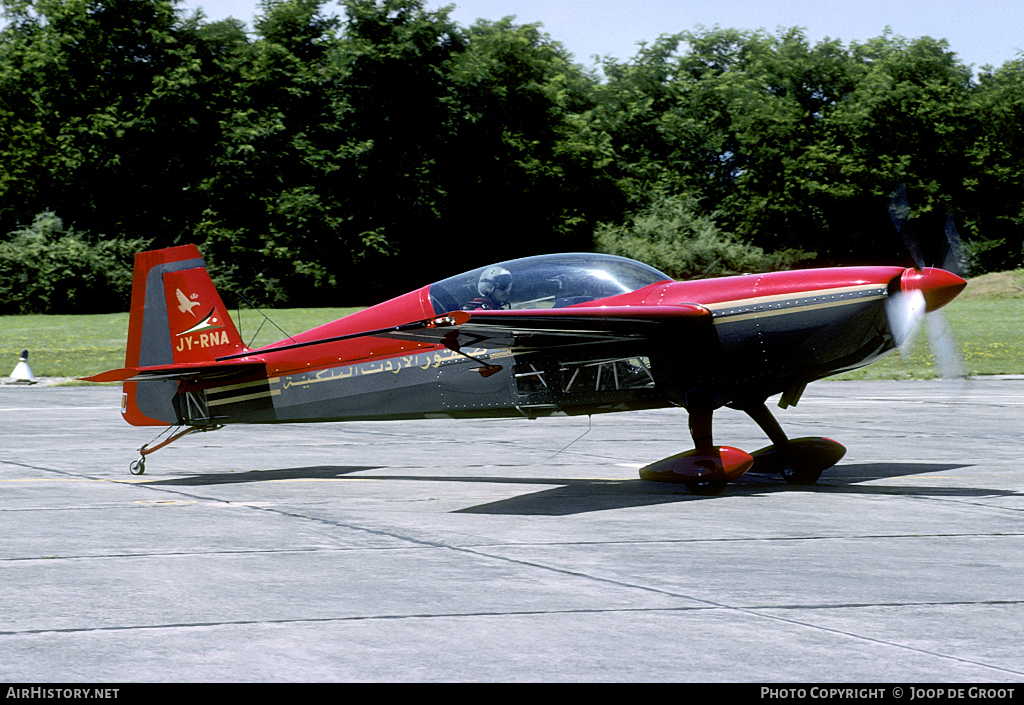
(545,281)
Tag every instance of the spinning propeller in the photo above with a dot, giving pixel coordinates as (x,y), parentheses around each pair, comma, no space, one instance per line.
(924,290)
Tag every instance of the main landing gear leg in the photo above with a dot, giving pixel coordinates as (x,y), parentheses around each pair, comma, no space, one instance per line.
(700,432)
(799,461)
(700,429)
(763,418)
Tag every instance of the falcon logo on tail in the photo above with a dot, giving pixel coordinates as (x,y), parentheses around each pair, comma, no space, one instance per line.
(184,305)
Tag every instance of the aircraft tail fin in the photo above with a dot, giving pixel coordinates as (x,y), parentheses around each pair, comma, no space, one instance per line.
(177,317)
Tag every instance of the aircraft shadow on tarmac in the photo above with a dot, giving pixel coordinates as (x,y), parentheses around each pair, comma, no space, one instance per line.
(577,496)
(320,472)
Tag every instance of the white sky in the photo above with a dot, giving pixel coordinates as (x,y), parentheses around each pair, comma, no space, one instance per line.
(979,31)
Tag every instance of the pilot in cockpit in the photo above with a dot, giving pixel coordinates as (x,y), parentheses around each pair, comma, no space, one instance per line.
(493,287)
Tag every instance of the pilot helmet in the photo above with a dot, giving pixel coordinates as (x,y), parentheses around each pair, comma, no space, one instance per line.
(495,283)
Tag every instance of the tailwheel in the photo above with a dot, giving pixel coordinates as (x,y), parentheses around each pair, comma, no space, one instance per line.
(138,467)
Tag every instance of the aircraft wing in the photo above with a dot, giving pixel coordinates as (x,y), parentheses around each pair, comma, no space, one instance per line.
(529,329)
(540,328)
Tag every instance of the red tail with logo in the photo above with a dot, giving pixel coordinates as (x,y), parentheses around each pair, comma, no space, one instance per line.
(177,317)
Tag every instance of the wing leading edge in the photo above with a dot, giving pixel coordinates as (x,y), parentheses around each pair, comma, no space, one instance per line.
(540,328)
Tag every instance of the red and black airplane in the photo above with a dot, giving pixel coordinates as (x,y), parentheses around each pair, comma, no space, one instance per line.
(549,335)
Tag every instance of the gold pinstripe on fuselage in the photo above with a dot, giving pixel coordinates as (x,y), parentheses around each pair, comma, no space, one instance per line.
(799,302)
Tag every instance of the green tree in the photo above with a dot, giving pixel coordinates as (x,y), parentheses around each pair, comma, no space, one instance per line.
(996,181)
(47,268)
(728,115)
(271,221)
(674,236)
(526,173)
(470,142)
(906,118)
(104,128)
(325,159)
(793,145)
(392,66)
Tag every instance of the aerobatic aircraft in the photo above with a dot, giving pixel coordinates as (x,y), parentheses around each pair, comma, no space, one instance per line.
(550,335)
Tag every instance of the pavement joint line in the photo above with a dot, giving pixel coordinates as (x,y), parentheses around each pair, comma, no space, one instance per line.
(884,642)
(709,606)
(524,613)
(482,549)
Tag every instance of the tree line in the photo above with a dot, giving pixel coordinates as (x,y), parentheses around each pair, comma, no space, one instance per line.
(325,159)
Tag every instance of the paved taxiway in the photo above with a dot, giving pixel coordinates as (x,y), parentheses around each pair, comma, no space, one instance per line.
(444,550)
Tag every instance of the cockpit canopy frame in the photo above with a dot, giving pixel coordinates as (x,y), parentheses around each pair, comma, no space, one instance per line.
(549,281)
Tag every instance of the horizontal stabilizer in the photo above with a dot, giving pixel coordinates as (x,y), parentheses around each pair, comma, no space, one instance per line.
(184,370)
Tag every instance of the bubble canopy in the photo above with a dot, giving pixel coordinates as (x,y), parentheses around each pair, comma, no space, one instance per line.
(549,281)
